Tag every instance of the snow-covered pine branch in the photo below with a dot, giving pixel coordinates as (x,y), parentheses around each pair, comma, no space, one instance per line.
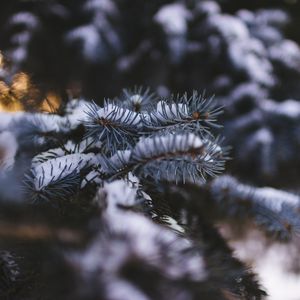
(190,113)
(58,178)
(275,211)
(120,140)
(138,99)
(178,157)
(113,125)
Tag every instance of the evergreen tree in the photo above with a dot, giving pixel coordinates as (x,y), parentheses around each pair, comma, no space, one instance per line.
(106,197)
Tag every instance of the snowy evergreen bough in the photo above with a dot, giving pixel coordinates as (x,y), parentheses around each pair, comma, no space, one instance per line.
(125,198)
(140,185)
(170,141)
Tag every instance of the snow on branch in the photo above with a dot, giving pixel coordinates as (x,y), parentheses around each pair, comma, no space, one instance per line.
(58,178)
(113,125)
(275,211)
(117,142)
(191,113)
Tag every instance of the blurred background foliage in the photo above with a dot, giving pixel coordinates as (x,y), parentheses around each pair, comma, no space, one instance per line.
(45,44)
(246,53)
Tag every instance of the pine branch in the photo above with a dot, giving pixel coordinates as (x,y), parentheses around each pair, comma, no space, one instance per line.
(138,99)
(275,211)
(112,125)
(58,178)
(177,157)
(187,113)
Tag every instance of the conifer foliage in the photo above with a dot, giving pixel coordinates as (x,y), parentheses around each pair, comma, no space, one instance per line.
(129,198)
(138,180)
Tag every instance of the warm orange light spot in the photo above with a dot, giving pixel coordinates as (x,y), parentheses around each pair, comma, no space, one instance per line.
(20,93)
(20,85)
(11,107)
(7,100)
(51,103)
(4,90)
(1,61)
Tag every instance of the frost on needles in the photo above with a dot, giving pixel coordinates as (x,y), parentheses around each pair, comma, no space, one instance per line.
(167,141)
(137,179)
